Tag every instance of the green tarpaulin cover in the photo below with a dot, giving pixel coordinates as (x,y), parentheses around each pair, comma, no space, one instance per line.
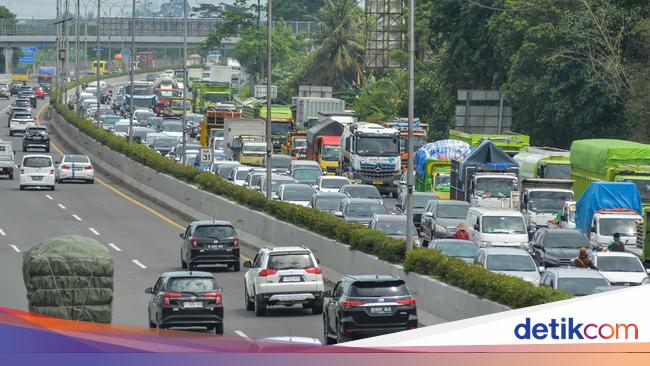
(70,277)
(600,154)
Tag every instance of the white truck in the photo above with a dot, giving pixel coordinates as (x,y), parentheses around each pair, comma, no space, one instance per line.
(235,127)
(542,199)
(370,154)
(7,159)
(219,74)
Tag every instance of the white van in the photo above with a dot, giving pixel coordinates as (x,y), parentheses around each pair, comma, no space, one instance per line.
(492,227)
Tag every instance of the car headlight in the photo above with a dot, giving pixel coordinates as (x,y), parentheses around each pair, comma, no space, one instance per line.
(486,243)
(523,245)
(645,281)
(440,229)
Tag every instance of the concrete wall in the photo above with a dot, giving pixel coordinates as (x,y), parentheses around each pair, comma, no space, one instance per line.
(437,301)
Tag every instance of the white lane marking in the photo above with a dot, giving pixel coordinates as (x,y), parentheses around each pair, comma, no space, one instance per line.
(2,233)
(62,207)
(14,248)
(77,217)
(49,197)
(242,334)
(93,231)
(137,263)
(114,247)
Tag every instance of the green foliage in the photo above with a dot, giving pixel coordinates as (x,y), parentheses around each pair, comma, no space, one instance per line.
(236,18)
(379,99)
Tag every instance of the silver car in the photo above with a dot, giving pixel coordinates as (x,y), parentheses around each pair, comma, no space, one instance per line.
(75,168)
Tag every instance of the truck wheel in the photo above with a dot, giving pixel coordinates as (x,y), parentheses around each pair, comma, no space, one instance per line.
(236,267)
(11,175)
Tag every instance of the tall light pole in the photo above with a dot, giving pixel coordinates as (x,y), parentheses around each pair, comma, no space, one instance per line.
(76,57)
(98,55)
(409,169)
(131,64)
(269,142)
(58,56)
(66,39)
(184,156)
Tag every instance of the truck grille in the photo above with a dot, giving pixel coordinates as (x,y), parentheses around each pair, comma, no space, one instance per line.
(565,261)
(378,172)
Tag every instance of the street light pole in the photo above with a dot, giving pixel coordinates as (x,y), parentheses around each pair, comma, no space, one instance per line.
(76,58)
(184,156)
(131,64)
(98,55)
(269,143)
(411,87)
(66,39)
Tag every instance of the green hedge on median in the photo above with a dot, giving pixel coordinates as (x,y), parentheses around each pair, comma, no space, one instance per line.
(508,291)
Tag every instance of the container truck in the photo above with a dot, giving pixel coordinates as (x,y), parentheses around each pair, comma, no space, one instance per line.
(213,121)
(323,141)
(510,142)
(544,163)
(370,154)
(235,127)
(487,177)
(307,108)
(296,145)
(433,165)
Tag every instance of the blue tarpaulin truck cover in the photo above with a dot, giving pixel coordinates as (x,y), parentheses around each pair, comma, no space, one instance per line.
(605,195)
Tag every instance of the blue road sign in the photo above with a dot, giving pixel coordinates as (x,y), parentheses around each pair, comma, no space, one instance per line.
(126,52)
(26,59)
(44,45)
(29,50)
(95,49)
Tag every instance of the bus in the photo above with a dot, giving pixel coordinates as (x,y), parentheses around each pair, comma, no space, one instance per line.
(102,67)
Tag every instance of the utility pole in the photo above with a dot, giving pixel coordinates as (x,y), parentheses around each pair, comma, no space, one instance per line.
(409,169)
(98,55)
(76,58)
(131,64)
(66,39)
(269,142)
(184,156)
(58,56)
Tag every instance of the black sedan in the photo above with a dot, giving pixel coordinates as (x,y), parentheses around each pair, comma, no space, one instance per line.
(210,242)
(557,247)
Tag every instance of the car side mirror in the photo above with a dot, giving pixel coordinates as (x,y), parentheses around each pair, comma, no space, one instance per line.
(428,214)
(338,214)
(647,271)
(477,227)
(592,229)
(248,264)
(182,235)
(541,269)
(148,290)
(57,162)
(327,293)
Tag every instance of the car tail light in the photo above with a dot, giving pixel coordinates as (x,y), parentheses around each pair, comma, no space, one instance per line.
(216,295)
(195,241)
(352,304)
(235,242)
(88,167)
(267,272)
(170,295)
(406,302)
(65,167)
(51,171)
(313,270)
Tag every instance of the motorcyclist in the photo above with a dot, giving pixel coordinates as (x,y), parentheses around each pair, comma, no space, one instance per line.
(617,245)
(583,260)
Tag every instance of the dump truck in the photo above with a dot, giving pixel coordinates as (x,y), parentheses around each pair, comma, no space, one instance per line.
(433,165)
(323,143)
(281,119)
(420,136)
(213,122)
(544,163)
(296,145)
(487,177)
(510,142)
(207,94)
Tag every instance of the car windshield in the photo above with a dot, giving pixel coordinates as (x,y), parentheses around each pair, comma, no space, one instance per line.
(377,146)
(138,89)
(298,193)
(495,187)
(330,152)
(110,120)
(547,202)
(306,174)
(421,200)
(22,116)
(218,144)
(142,102)
(178,104)
(452,211)
(462,250)
(625,227)
(365,209)
(362,192)
(241,174)
(256,179)
(215,232)
(280,162)
(280,128)
(299,144)
(76,159)
(41,130)
(379,289)
(121,128)
(172,127)
(643,186)
(191,284)
(165,143)
(394,227)
(37,162)
(503,225)
(565,239)
(442,180)
(581,286)
(509,262)
(333,182)
(328,203)
(224,171)
(290,261)
(620,264)
(557,171)
(254,149)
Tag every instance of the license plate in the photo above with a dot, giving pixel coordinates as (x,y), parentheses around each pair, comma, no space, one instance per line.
(377,182)
(376,310)
(192,305)
(76,168)
(291,279)
(215,246)
(37,177)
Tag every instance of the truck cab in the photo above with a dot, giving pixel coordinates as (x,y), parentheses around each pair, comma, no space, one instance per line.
(253,150)
(540,206)
(606,222)
(493,189)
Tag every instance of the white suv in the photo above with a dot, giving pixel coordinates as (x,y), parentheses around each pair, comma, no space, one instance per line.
(283,276)
(37,171)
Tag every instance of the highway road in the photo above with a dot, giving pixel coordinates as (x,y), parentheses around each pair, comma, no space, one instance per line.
(142,237)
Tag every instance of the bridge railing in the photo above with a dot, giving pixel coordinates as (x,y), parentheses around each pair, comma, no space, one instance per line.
(121,27)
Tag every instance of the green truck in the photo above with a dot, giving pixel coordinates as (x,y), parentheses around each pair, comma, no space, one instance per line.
(614,161)
(510,142)
(281,119)
(207,94)
(543,163)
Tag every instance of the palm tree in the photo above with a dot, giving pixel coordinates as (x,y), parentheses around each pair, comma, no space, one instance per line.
(338,60)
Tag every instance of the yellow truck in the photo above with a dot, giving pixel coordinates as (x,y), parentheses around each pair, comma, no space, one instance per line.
(253,150)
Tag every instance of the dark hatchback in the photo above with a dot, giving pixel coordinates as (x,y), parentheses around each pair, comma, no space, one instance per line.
(210,243)
(557,247)
(186,299)
(364,306)
(420,201)
(36,137)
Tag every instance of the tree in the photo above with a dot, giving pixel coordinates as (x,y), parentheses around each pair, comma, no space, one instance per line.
(9,17)
(235,19)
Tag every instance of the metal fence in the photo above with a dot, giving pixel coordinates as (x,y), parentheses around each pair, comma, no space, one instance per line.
(156,27)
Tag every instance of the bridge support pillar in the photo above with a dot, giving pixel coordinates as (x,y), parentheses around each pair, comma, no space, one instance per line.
(9,55)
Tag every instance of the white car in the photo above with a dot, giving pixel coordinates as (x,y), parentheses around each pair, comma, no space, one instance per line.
(296,193)
(20,122)
(75,167)
(509,261)
(621,269)
(283,276)
(238,174)
(121,128)
(37,171)
(331,183)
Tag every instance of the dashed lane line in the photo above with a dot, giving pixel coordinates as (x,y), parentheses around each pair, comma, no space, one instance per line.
(49,197)
(92,230)
(2,233)
(61,206)
(14,248)
(77,218)
(117,249)
(242,334)
(137,263)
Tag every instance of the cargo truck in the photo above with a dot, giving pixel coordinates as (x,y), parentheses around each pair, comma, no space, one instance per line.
(510,142)
(542,199)
(433,165)
(213,122)
(281,119)
(218,74)
(207,94)
(544,163)
(252,150)
(370,154)
(323,141)
(46,74)
(420,136)
(296,145)
(487,177)
(307,108)
(235,127)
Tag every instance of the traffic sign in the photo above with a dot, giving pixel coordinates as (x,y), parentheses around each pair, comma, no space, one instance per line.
(126,52)
(95,49)
(44,45)
(29,50)
(206,155)
(26,59)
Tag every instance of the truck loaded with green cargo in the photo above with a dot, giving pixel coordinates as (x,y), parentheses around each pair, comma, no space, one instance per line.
(281,119)
(510,142)
(613,161)
(208,94)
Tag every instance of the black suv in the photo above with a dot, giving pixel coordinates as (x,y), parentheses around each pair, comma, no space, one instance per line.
(186,299)
(557,247)
(363,306)
(36,137)
(14,88)
(420,200)
(210,242)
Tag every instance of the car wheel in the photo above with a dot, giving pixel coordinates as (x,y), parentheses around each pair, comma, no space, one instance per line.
(317,307)
(151,324)
(183,264)
(47,150)
(250,306)
(260,306)
(11,133)
(340,338)
(326,334)
(92,181)
(24,148)
(218,329)
(22,188)
(236,267)
(11,176)
(52,188)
